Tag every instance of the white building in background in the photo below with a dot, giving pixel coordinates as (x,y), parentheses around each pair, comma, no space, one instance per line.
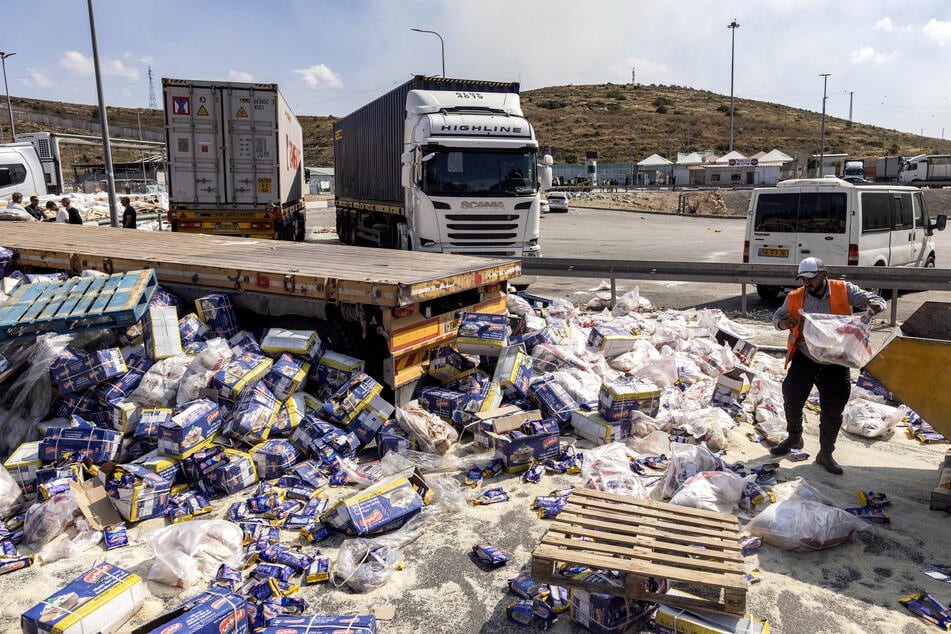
(654,170)
(733,169)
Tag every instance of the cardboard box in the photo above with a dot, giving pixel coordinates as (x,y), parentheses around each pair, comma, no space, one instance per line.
(254,413)
(216,311)
(499,420)
(350,398)
(300,342)
(75,371)
(273,457)
(370,419)
(618,400)
(513,371)
(605,613)
(553,400)
(137,492)
(97,444)
(611,340)
(744,350)
(190,329)
(236,474)
(161,333)
(731,386)
(239,374)
(519,453)
(100,600)
(594,427)
(335,369)
(447,364)
(286,376)
(868,382)
(215,611)
(124,416)
(441,401)
(192,425)
(23,464)
(168,468)
(482,333)
(116,389)
(364,624)
(671,620)
(150,419)
(382,507)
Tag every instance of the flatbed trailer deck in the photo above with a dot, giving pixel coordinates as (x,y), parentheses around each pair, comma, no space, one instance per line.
(396,305)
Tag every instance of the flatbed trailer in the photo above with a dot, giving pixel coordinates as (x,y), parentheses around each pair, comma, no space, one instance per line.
(388,307)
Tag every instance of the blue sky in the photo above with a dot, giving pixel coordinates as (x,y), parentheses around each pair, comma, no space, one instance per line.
(329,57)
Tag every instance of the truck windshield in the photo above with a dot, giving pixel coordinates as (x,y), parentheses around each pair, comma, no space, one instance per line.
(475,172)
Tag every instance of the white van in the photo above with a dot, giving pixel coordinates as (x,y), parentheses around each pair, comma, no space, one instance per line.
(840,223)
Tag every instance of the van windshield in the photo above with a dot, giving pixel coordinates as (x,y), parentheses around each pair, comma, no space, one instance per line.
(806,212)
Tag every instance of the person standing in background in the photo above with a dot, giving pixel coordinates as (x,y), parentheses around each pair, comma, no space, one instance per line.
(128,213)
(72,214)
(34,208)
(59,213)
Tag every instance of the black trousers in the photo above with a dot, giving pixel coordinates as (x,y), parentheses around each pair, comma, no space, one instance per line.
(834,383)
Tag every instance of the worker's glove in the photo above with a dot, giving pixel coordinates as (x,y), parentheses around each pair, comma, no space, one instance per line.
(875,307)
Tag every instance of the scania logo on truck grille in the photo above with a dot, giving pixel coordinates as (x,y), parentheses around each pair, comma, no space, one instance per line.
(482,204)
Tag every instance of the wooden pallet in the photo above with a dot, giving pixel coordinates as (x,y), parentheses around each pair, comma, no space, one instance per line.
(645,539)
(76,305)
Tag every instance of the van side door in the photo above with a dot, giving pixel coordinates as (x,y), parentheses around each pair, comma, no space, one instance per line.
(921,246)
(903,234)
(877,222)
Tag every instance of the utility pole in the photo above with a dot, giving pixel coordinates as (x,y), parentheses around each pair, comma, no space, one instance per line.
(733,26)
(103,122)
(822,132)
(3,60)
(851,92)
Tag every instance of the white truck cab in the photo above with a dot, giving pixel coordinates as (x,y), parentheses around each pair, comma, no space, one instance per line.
(20,170)
(841,223)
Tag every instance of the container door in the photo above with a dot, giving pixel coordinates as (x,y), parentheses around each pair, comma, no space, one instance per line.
(823,227)
(196,171)
(250,145)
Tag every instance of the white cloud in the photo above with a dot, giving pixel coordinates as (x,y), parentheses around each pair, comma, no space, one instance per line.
(938,31)
(38,79)
(237,75)
(885,25)
(869,54)
(76,62)
(319,74)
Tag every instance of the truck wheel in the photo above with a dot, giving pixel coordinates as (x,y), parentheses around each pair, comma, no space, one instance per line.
(929,263)
(300,227)
(767,292)
(343,227)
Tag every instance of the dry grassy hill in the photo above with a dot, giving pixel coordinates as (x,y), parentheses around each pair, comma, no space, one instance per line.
(618,121)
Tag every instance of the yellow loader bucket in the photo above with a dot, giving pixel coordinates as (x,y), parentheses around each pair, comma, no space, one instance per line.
(915,364)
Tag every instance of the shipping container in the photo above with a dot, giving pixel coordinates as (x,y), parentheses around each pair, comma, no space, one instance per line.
(234,151)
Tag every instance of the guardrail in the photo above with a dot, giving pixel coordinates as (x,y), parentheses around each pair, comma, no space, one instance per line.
(783,275)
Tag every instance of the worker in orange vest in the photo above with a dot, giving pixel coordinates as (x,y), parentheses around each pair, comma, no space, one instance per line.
(818,294)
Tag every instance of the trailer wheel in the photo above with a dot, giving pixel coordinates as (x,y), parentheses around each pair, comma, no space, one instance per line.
(300,226)
(767,292)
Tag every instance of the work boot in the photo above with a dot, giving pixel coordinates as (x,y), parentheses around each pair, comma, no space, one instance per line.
(793,441)
(828,463)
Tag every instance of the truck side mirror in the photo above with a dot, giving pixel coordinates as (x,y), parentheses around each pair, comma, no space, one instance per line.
(406,171)
(939,223)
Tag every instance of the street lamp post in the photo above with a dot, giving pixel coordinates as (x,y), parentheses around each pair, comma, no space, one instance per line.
(822,128)
(442,47)
(103,122)
(3,61)
(733,26)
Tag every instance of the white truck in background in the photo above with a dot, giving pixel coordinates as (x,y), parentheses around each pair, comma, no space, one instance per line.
(926,170)
(31,165)
(441,165)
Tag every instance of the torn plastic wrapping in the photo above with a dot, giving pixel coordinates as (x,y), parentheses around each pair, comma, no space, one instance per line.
(396,461)
(642,354)
(608,468)
(159,386)
(655,443)
(838,339)
(580,385)
(710,425)
(11,497)
(800,524)
(629,302)
(191,552)
(431,432)
(66,548)
(202,367)
(45,520)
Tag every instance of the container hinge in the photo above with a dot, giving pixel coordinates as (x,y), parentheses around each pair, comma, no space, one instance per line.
(290,283)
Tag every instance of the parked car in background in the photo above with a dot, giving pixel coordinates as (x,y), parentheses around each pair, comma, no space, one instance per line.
(543,206)
(558,201)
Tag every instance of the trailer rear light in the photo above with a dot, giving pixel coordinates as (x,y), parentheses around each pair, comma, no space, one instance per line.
(746,252)
(262,225)
(492,288)
(402,311)
(169,217)
(188,225)
(853,255)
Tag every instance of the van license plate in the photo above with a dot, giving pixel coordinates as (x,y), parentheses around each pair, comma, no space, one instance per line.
(226,226)
(773,253)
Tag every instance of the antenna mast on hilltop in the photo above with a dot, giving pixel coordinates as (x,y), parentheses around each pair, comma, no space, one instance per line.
(153,102)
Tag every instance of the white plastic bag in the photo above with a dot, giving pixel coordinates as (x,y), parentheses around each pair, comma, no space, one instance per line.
(656,443)
(66,548)
(798,524)
(159,386)
(11,497)
(46,520)
(629,302)
(198,375)
(710,425)
(711,490)
(838,339)
(608,468)
(188,553)
(686,461)
(870,419)
(364,564)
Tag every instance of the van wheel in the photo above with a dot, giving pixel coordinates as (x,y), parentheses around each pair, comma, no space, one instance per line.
(929,263)
(767,292)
